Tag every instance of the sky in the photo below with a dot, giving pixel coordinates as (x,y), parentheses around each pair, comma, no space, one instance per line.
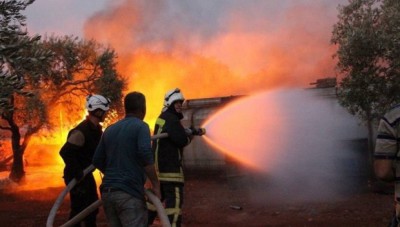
(207,48)
(61,17)
(68,17)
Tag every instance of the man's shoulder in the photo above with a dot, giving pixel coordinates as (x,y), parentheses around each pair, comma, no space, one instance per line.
(168,116)
(85,124)
(76,137)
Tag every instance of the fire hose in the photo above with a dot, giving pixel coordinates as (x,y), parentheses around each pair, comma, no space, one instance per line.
(156,202)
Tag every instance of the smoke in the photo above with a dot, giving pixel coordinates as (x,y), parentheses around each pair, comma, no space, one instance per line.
(217,48)
(300,144)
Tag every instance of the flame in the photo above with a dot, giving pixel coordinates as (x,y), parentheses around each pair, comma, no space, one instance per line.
(42,162)
(240,51)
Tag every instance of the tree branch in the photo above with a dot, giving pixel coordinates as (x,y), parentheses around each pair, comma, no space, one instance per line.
(5,128)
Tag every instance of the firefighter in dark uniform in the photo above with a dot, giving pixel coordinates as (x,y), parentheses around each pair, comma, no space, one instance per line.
(168,157)
(77,154)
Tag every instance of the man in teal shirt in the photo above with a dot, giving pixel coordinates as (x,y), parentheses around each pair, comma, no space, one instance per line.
(125,158)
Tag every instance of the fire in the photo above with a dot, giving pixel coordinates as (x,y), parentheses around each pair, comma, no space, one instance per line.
(241,52)
(154,74)
(234,55)
(43,164)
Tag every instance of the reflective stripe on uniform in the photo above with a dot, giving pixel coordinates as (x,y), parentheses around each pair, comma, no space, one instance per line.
(175,212)
(172,177)
(160,122)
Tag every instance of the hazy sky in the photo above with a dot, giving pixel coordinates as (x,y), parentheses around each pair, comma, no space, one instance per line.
(61,17)
(69,17)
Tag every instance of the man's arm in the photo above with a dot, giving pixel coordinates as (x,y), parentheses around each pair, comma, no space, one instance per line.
(99,157)
(152,176)
(177,134)
(69,153)
(384,169)
(146,158)
(77,138)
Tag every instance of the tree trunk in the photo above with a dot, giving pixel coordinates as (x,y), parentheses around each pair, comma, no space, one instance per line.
(371,141)
(17,173)
(17,170)
(371,147)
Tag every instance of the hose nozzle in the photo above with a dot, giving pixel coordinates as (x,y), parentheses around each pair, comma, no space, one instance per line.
(198,131)
(195,131)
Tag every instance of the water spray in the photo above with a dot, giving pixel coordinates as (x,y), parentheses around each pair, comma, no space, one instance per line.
(298,144)
(159,207)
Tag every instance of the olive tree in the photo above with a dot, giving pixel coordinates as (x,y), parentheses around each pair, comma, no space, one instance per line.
(38,75)
(21,63)
(367,58)
(80,67)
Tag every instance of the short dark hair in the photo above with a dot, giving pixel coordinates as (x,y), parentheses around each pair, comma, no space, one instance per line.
(135,102)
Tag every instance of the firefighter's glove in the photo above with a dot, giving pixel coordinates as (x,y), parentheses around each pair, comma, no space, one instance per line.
(188,131)
(197,131)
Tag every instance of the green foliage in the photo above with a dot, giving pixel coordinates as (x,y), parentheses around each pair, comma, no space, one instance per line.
(110,81)
(37,77)
(367,35)
(19,54)
(81,67)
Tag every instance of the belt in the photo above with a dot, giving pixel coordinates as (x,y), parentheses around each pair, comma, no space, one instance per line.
(108,190)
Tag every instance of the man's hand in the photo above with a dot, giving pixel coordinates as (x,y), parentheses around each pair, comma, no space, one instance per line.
(384,169)
(156,191)
(152,177)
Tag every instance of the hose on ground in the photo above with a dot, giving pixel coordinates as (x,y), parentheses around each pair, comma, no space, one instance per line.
(157,203)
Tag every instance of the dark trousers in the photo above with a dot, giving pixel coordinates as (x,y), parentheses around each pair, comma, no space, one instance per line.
(394,222)
(82,196)
(172,197)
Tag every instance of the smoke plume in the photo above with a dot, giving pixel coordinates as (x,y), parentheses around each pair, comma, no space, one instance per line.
(217,48)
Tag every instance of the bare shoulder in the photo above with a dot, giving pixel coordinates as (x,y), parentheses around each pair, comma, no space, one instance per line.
(77,138)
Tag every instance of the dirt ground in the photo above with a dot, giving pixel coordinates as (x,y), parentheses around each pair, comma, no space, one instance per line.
(211,199)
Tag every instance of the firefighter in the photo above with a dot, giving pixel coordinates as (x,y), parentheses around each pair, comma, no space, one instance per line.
(77,154)
(386,155)
(168,156)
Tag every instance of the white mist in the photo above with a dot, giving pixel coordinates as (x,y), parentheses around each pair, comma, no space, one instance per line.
(301,143)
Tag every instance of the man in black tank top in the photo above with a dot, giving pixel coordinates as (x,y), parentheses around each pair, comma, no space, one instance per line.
(77,154)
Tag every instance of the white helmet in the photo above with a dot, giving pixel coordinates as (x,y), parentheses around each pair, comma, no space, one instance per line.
(172,96)
(94,102)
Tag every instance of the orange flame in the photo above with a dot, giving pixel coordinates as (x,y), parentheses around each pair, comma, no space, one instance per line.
(158,53)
